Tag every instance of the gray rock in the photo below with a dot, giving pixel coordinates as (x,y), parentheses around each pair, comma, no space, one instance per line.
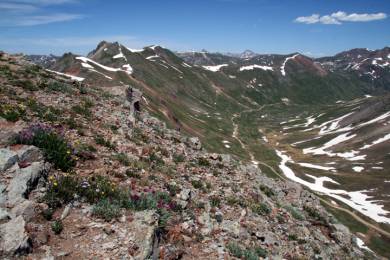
(143,228)
(14,238)
(26,209)
(232,227)
(7,158)
(66,211)
(24,180)
(30,154)
(194,143)
(4,215)
(185,194)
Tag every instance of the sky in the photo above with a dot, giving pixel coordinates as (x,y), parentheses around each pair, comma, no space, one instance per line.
(312,27)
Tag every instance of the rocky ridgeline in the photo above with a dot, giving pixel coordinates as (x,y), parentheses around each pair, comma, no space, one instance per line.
(126,187)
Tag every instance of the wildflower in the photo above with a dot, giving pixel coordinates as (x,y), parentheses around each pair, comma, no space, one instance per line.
(84,184)
(51,178)
(55,183)
(68,152)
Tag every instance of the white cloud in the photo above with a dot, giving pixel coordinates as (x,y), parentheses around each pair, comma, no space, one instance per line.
(339,17)
(33,12)
(342,16)
(45,19)
(314,18)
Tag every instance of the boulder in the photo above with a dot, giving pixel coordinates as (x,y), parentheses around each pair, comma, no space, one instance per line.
(194,143)
(7,158)
(14,239)
(143,229)
(24,181)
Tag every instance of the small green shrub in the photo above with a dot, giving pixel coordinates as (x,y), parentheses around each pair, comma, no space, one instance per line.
(261,209)
(292,237)
(197,184)
(84,108)
(54,146)
(295,213)
(59,87)
(203,162)
(267,191)
(48,213)
(156,160)
(132,174)
(106,210)
(215,201)
(57,227)
(235,250)
(101,141)
(248,254)
(178,158)
(122,158)
(26,84)
(12,113)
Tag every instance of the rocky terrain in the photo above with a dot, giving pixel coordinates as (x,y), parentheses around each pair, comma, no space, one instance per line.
(87,172)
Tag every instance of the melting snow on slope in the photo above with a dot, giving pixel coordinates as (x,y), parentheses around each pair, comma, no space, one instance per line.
(284,64)
(85,60)
(378,141)
(252,67)
(318,167)
(358,168)
(67,75)
(361,244)
(358,200)
(379,118)
(215,68)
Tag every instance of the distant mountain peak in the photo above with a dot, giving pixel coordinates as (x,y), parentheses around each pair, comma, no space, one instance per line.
(247,54)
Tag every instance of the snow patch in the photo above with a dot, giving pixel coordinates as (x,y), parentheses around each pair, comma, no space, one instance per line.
(282,68)
(358,200)
(358,168)
(215,68)
(252,67)
(318,167)
(67,75)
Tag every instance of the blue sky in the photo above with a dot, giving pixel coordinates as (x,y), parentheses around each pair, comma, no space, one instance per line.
(312,27)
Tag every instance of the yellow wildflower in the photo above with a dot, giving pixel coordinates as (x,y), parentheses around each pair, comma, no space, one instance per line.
(55,183)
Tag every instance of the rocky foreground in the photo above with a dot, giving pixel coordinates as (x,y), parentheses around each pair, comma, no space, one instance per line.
(86,175)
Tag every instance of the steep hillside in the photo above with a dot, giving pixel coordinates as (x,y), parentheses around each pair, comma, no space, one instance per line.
(84,174)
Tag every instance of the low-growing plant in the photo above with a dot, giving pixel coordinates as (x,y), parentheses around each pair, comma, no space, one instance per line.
(267,191)
(101,141)
(12,113)
(246,253)
(203,162)
(55,148)
(84,108)
(57,227)
(261,208)
(59,87)
(215,201)
(178,158)
(132,173)
(197,184)
(106,209)
(295,213)
(122,158)
(26,84)
(48,213)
